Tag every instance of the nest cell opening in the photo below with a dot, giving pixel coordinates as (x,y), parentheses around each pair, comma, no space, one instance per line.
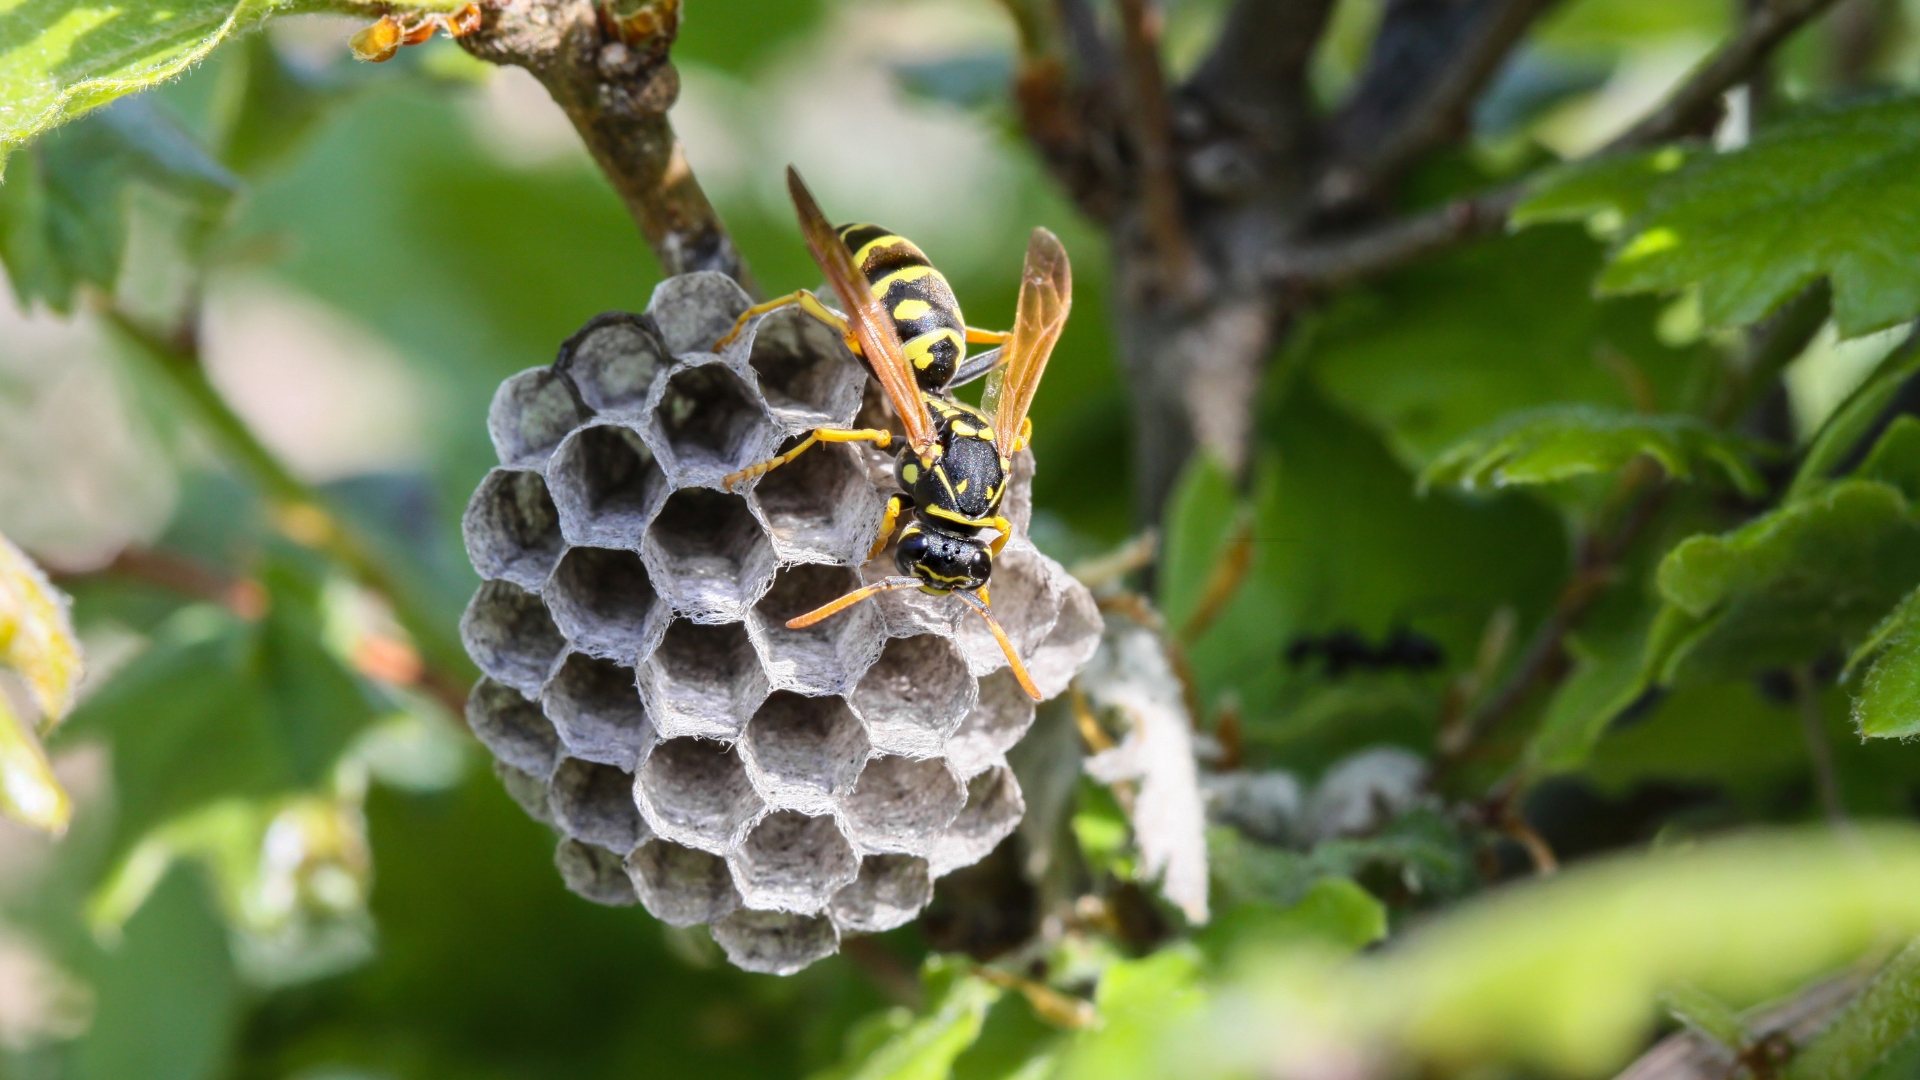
(889,892)
(710,422)
(820,507)
(1069,644)
(692,311)
(804,752)
(531,413)
(828,656)
(708,554)
(605,486)
(792,862)
(999,718)
(703,680)
(529,792)
(512,528)
(513,728)
(603,600)
(596,707)
(806,373)
(509,634)
(696,792)
(993,810)
(915,695)
(594,804)
(901,804)
(613,361)
(681,886)
(775,942)
(594,872)
(1022,601)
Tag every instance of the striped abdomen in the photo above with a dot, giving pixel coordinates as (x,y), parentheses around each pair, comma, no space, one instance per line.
(925,313)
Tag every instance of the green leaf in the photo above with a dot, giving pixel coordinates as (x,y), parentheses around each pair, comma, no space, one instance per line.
(1805,578)
(1884,1016)
(1829,194)
(64,212)
(1333,911)
(1140,1002)
(1607,678)
(60,59)
(1895,458)
(1707,1015)
(894,1047)
(1605,193)
(1559,442)
(1200,516)
(266,109)
(1834,444)
(1889,703)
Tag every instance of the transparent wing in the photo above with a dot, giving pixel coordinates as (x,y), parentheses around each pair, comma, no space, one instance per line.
(871,326)
(1046,295)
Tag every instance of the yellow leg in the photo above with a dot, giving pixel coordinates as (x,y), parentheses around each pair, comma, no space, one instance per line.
(887,524)
(1006,533)
(976,336)
(808,302)
(882,439)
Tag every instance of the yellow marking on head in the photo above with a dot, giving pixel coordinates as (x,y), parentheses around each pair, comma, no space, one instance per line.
(911,309)
(962,488)
(964,429)
(920,349)
(904,274)
(910,473)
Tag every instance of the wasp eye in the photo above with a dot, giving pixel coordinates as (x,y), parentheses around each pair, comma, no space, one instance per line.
(980,564)
(911,551)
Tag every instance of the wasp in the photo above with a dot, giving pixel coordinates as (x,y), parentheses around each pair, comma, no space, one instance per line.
(903,320)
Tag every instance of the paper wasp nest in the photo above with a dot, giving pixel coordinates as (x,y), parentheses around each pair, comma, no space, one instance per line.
(643,695)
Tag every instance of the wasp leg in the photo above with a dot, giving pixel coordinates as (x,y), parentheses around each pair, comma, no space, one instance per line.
(973,367)
(896,506)
(808,302)
(977,336)
(882,439)
(1000,522)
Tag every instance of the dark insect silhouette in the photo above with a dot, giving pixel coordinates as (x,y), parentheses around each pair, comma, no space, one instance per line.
(1346,650)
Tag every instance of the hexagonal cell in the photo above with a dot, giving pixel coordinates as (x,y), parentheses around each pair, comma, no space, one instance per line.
(708,556)
(710,423)
(593,803)
(602,599)
(1025,600)
(803,753)
(596,709)
(509,634)
(613,361)
(512,529)
(889,892)
(820,507)
(692,311)
(775,942)
(513,728)
(695,792)
(681,886)
(529,791)
(1070,644)
(993,810)
(902,804)
(530,414)
(805,372)
(999,718)
(1018,504)
(827,657)
(915,695)
(606,486)
(792,862)
(595,873)
(702,680)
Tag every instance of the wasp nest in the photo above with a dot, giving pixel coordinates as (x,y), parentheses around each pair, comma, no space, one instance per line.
(643,694)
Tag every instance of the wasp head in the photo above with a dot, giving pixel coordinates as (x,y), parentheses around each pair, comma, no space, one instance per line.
(942,560)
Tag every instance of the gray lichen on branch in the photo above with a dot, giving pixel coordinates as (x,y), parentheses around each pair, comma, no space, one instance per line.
(608,68)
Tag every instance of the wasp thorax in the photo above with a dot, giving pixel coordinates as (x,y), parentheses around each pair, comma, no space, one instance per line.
(644,695)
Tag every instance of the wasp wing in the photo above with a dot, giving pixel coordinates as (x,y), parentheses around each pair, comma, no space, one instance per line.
(1046,295)
(871,326)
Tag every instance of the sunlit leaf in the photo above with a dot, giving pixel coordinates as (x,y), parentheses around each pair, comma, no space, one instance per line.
(1542,446)
(924,1048)
(1885,1015)
(36,636)
(1605,193)
(1838,438)
(1889,703)
(1829,194)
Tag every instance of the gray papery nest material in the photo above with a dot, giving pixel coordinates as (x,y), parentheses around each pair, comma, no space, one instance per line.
(643,695)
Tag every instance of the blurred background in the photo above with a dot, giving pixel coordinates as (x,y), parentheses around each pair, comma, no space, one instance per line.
(374,906)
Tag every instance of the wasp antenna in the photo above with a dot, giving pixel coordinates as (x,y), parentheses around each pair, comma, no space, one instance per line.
(1006,643)
(835,607)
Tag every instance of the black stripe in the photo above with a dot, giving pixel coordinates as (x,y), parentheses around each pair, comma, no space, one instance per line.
(859,235)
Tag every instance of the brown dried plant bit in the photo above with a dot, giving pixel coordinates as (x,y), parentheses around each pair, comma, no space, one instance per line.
(463,22)
(419,30)
(36,637)
(377,43)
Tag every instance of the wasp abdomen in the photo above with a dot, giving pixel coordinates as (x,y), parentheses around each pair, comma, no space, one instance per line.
(917,297)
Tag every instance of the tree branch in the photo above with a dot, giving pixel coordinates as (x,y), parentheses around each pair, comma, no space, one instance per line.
(1253,90)
(607,68)
(1150,124)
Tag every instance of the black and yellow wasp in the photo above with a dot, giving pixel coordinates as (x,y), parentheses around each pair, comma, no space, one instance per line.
(902,318)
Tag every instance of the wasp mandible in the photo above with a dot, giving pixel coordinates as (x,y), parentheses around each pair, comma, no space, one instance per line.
(903,320)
